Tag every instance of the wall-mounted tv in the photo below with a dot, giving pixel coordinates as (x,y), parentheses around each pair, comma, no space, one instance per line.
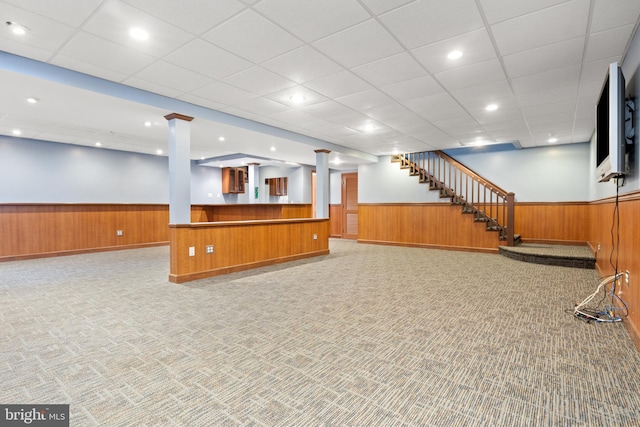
(610,126)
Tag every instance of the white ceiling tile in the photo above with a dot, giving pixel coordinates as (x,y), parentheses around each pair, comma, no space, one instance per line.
(594,71)
(152,87)
(548,95)
(394,115)
(411,89)
(365,100)
(312,20)
(484,94)
(115,19)
(262,107)
(102,53)
(252,37)
(258,80)
(548,26)
(480,73)
(198,100)
(560,77)
(70,13)
(501,10)
(392,69)
(381,6)
(359,44)
(560,108)
(328,110)
(435,107)
(475,45)
(302,65)
(427,21)
(45,34)
(73,63)
(196,15)
(225,94)
(207,59)
(339,84)
(606,44)
(607,16)
(284,97)
(171,76)
(545,58)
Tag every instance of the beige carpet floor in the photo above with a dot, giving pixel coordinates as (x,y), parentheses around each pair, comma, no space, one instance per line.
(366,336)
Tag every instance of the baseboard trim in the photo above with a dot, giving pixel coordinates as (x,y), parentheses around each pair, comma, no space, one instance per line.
(80,251)
(187,277)
(430,246)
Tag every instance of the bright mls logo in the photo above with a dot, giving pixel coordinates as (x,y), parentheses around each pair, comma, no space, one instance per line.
(34,415)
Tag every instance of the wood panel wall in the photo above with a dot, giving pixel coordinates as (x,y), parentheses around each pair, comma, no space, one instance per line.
(602,216)
(241,246)
(37,230)
(335,220)
(439,225)
(566,223)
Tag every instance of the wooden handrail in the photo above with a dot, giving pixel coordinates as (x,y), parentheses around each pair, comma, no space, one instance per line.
(470,172)
(487,201)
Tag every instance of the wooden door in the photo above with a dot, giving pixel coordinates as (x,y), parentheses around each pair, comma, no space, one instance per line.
(350,205)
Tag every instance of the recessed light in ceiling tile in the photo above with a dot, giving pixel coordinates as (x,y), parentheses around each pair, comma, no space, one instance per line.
(491,107)
(32,100)
(16,28)
(16,132)
(297,98)
(147,124)
(138,34)
(552,140)
(158,151)
(273,148)
(369,127)
(221,138)
(455,54)
(98,144)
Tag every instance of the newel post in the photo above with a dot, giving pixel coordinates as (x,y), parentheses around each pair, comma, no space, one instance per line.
(511,197)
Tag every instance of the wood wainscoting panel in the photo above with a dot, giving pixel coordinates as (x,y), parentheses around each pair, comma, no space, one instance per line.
(424,224)
(335,220)
(627,256)
(547,221)
(243,245)
(36,230)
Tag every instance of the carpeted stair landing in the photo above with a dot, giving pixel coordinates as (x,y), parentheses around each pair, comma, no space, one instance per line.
(547,254)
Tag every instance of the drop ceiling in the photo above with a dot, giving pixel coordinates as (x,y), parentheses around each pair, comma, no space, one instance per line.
(374,74)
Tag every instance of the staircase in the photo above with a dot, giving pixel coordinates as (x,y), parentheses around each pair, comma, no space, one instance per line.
(484,200)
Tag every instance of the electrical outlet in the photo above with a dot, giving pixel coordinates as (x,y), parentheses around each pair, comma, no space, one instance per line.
(192,251)
(209,249)
(598,247)
(118,232)
(315,237)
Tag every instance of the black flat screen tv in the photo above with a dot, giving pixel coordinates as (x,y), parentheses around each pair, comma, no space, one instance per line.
(610,126)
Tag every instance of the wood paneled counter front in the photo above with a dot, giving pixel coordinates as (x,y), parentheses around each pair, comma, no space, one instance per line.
(242,245)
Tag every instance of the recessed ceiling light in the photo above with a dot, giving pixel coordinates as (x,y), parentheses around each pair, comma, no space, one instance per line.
(138,34)
(16,132)
(552,140)
(297,98)
(17,28)
(273,148)
(221,138)
(369,127)
(98,144)
(454,54)
(32,100)
(491,107)
(147,124)
(158,151)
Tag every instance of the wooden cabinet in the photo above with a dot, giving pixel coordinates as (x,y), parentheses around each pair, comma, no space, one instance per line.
(278,186)
(233,180)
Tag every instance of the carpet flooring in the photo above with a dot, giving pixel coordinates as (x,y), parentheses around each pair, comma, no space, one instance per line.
(365,336)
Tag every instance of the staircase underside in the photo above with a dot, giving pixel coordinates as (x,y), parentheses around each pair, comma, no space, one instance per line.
(559,255)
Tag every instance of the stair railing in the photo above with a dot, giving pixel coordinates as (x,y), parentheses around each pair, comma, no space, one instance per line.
(486,200)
